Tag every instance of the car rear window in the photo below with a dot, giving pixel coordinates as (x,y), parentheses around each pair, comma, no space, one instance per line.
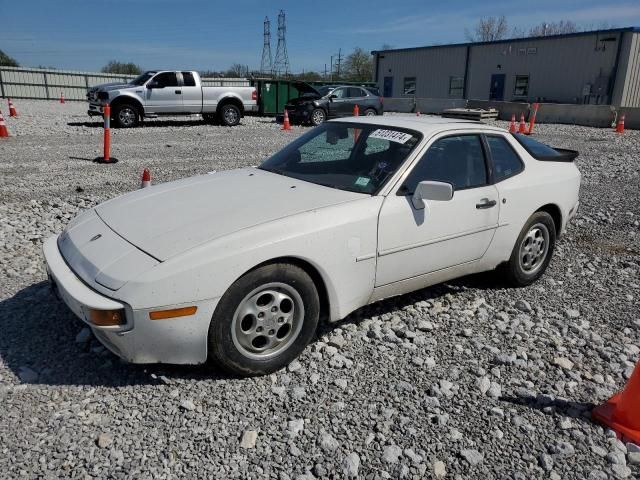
(540,151)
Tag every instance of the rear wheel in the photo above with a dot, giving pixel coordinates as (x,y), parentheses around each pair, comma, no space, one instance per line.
(230,115)
(370,112)
(318,116)
(533,250)
(265,320)
(125,115)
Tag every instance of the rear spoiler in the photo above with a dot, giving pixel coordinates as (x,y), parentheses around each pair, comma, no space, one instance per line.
(566,155)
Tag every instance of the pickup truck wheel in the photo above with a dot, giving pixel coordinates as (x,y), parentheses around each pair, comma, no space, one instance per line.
(264,321)
(318,116)
(532,252)
(126,116)
(230,115)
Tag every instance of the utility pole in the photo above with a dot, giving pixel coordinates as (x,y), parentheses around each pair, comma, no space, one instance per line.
(331,70)
(339,62)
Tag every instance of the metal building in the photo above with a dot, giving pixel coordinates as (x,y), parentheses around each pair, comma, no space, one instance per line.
(595,67)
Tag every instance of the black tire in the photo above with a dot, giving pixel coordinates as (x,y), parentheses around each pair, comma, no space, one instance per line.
(370,112)
(226,335)
(125,115)
(318,116)
(540,226)
(229,115)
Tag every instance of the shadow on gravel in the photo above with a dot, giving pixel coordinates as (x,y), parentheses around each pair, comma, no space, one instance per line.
(194,122)
(38,340)
(38,344)
(552,406)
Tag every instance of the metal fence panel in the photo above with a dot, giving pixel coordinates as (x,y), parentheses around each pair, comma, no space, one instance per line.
(49,84)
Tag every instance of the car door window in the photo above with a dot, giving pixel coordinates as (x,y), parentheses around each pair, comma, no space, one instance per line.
(458,160)
(188,79)
(339,93)
(506,162)
(355,92)
(166,79)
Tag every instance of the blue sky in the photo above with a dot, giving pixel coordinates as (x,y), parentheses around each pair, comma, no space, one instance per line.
(208,34)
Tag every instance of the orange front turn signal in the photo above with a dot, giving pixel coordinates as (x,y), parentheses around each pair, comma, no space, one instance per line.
(107,318)
(173,313)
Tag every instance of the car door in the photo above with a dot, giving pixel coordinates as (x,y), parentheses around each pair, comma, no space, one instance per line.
(339,103)
(357,96)
(165,94)
(414,242)
(191,93)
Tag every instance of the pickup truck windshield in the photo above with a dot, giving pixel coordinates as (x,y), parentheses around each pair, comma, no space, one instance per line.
(141,79)
(347,156)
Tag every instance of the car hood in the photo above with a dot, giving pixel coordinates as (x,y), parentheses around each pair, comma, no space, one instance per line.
(106,87)
(171,218)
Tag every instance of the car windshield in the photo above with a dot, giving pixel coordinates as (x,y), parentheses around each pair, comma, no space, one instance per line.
(324,90)
(141,79)
(347,156)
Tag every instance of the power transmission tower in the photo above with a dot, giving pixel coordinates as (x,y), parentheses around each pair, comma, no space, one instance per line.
(266,63)
(281,64)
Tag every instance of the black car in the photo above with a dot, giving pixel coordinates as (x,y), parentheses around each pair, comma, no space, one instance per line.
(315,105)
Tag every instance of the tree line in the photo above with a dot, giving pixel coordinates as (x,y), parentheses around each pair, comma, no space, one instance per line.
(491,28)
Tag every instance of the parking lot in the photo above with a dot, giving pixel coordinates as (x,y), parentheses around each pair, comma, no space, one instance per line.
(464,380)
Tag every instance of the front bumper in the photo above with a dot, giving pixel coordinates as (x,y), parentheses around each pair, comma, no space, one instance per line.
(181,340)
(95,110)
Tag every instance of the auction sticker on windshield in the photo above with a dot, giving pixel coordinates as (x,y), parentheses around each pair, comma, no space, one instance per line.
(391,135)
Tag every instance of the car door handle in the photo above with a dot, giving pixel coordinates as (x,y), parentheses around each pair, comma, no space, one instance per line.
(485,203)
(178,92)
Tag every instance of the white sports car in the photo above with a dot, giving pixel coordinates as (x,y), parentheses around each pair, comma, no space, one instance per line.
(240,266)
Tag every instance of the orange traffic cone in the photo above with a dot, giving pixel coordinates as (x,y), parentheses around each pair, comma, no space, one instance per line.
(146,178)
(285,124)
(356,111)
(12,109)
(532,118)
(522,128)
(3,127)
(621,412)
(512,124)
(620,124)
(61,97)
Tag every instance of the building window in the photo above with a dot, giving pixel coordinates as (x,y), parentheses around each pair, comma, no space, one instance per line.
(456,87)
(522,51)
(522,86)
(409,86)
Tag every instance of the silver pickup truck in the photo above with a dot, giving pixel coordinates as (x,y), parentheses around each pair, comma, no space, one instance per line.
(161,92)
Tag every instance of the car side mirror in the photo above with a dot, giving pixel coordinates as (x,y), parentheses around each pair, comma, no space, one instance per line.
(427,190)
(331,97)
(153,84)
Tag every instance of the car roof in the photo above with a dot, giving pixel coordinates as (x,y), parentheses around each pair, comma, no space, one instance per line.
(426,124)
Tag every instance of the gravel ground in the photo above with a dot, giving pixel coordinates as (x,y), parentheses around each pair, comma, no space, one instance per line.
(465,380)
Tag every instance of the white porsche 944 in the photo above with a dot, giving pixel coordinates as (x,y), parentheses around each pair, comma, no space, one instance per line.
(240,266)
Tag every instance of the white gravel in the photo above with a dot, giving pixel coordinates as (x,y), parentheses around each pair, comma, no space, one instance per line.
(463,380)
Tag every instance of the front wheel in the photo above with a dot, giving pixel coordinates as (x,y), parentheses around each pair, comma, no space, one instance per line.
(265,320)
(230,115)
(125,116)
(318,116)
(533,250)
